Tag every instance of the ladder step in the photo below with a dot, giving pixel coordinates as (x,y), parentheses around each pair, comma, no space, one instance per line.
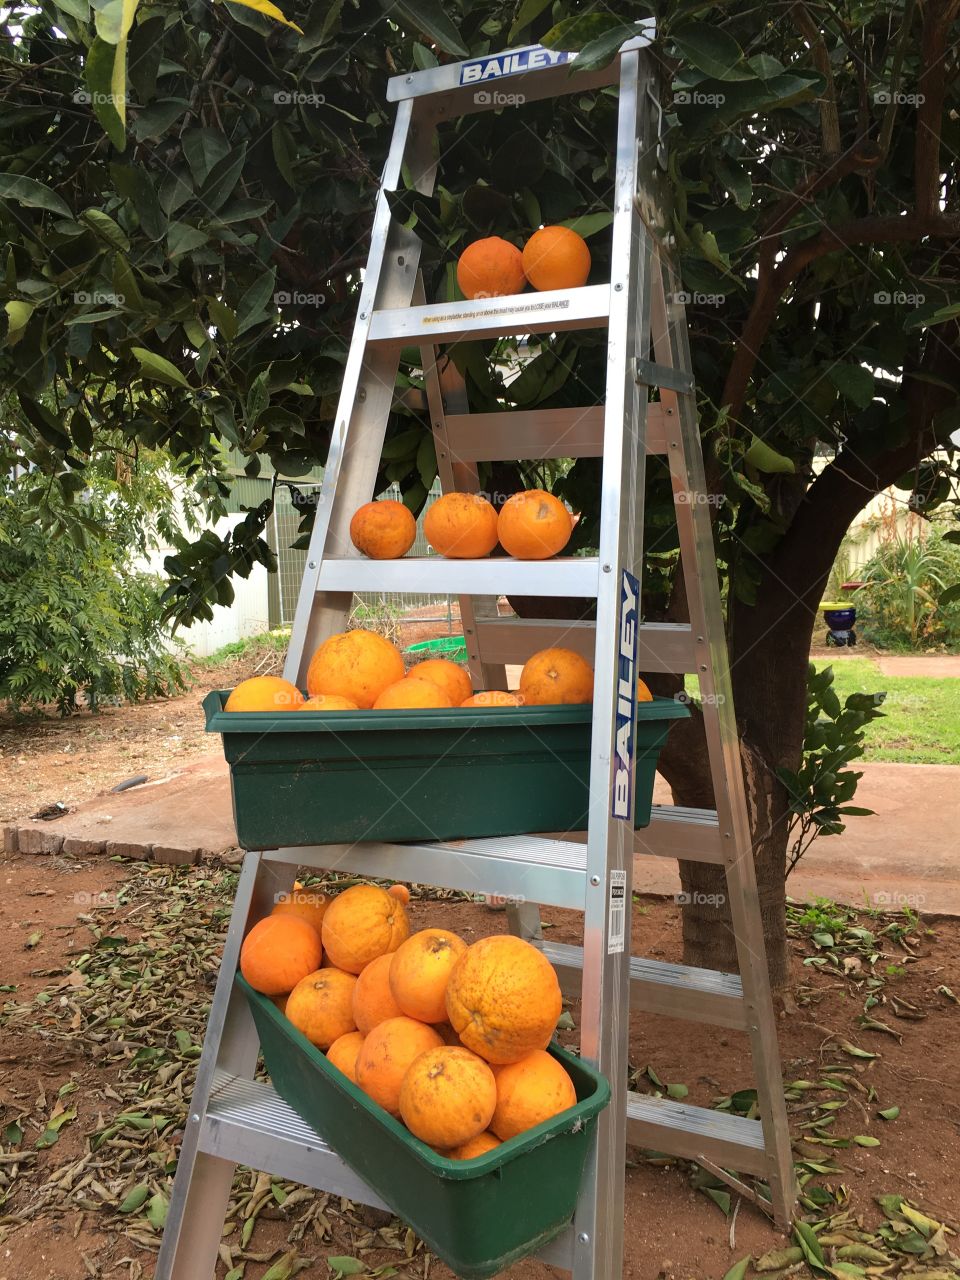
(676,831)
(662,646)
(435,575)
(522,868)
(249,1123)
(731,1141)
(677,990)
(550,311)
(539,433)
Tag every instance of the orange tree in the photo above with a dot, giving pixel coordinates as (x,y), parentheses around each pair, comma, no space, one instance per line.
(185,195)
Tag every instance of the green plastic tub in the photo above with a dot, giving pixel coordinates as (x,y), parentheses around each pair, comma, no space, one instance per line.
(479,1215)
(314,777)
(453,648)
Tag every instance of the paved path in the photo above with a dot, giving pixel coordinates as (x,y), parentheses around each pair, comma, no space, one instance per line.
(908,854)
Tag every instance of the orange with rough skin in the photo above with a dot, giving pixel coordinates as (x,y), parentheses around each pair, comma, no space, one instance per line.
(490,268)
(453,679)
(478,1146)
(533,525)
(264,693)
(279,951)
(321,1006)
(556,258)
(361,924)
(503,998)
(448,1096)
(420,970)
(555,676)
(384,530)
(462,526)
(410,693)
(357,665)
(304,903)
(529,1092)
(400,891)
(373,1000)
(492,698)
(343,1053)
(643,693)
(386,1056)
(328,702)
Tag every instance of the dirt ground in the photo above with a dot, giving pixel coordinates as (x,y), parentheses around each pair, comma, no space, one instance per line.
(157,945)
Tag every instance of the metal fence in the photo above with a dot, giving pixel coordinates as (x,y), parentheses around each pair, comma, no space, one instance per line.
(291,563)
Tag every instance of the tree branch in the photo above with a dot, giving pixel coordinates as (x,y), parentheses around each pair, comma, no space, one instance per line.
(829,117)
(931,90)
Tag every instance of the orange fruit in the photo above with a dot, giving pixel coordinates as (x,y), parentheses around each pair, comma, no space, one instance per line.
(529,1092)
(462,526)
(264,693)
(362,923)
(304,903)
(555,676)
(373,1000)
(503,998)
(446,1033)
(411,692)
(492,698)
(478,1146)
(448,1096)
(490,268)
(533,525)
(400,891)
(328,702)
(383,530)
(357,665)
(453,679)
(643,693)
(343,1053)
(420,970)
(279,951)
(321,1006)
(386,1056)
(556,258)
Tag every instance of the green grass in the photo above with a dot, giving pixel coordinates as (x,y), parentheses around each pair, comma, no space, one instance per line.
(265,641)
(922,715)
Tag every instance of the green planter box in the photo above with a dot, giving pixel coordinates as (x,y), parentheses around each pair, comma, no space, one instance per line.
(480,1215)
(313,777)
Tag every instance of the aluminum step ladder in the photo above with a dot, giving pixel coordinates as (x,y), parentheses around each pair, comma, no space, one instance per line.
(236,1119)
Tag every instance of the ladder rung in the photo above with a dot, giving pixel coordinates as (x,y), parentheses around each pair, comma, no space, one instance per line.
(676,990)
(436,575)
(662,646)
(539,433)
(550,311)
(249,1123)
(678,832)
(527,868)
(731,1141)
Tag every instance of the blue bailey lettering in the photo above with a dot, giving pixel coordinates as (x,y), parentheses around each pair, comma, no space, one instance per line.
(511,64)
(626,696)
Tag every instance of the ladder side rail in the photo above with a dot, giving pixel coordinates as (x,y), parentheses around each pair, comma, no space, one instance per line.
(201,1187)
(367,391)
(723,739)
(447,391)
(605,1010)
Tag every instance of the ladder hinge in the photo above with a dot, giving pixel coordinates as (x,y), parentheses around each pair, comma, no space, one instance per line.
(662,375)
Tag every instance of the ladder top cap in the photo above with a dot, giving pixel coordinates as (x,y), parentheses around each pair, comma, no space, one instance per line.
(493,67)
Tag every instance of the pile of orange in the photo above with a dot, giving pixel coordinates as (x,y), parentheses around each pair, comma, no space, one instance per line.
(360,670)
(553,258)
(449,1038)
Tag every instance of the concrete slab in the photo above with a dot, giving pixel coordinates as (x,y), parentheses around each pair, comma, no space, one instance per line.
(179,818)
(907,855)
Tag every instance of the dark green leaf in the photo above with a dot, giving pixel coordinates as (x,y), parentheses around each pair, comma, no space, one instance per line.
(33,194)
(711,50)
(429,18)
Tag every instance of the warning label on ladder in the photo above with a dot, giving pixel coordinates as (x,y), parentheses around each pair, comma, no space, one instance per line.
(617,923)
(626,721)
